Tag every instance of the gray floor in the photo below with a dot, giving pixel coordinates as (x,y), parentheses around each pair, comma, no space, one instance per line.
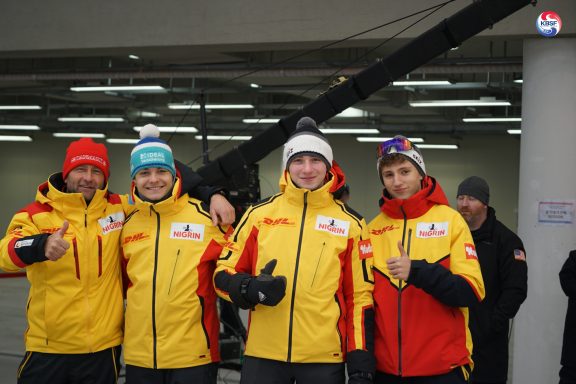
(13,294)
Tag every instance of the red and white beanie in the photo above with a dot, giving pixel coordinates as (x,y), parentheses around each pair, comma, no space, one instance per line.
(86,151)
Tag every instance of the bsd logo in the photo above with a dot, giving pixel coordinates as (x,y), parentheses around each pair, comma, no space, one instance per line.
(548,24)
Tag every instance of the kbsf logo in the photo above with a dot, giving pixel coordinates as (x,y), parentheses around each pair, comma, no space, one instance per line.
(548,24)
(187,231)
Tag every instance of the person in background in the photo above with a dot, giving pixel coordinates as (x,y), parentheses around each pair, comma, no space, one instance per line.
(568,284)
(68,243)
(169,249)
(503,263)
(316,313)
(343,193)
(426,275)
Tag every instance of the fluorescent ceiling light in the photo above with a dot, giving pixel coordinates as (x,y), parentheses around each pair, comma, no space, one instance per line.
(122,141)
(438,146)
(381,139)
(514,131)
(349,130)
(79,134)
(134,57)
(15,138)
(260,121)
(421,82)
(217,137)
(211,106)
(172,129)
(519,81)
(254,85)
(92,119)
(20,127)
(133,88)
(490,119)
(147,114)
(352,112)
(19,107)
(482,102)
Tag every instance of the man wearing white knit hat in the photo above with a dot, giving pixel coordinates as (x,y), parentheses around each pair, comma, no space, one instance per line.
(316,313)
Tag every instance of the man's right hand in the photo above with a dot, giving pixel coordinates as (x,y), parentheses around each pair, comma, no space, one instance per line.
(56,246)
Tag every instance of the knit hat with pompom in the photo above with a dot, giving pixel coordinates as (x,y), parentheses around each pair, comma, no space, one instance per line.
(151,152)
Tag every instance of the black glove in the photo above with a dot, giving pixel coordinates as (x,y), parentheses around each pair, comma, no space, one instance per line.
(265,289)
(360,378)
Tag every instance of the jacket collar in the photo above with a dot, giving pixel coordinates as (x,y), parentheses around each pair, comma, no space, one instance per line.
(416,205)
(485,230)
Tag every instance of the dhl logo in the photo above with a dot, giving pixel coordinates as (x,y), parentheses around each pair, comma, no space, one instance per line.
(50,230)
(279,221)
(135,237)
(230,245)
(387,228)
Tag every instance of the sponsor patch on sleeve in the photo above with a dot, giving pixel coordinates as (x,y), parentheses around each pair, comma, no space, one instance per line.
(519,255)
(365,249)
(470,250)
(23,243)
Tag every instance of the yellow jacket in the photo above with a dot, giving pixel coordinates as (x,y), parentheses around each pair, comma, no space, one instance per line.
(75,304)
(316,241)
(170,251)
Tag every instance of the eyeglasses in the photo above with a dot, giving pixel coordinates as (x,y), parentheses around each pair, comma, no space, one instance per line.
(399,144)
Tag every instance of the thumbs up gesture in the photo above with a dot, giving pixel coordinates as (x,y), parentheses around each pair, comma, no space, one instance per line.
(267,289)
(399,267)
(55,246)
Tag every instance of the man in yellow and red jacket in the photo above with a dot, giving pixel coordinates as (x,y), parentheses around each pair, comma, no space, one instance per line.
(317,312)
(169,249)
(426,274)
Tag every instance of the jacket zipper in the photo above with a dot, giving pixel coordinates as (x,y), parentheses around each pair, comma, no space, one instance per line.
(154,336)
(173,271)
(400,300)
(99,255)
(289,358)
(318,264)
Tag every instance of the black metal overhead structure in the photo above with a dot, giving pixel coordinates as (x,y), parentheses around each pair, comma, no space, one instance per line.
(449,33)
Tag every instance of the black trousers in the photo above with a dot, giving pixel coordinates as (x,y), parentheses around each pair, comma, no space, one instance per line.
(202,374)
(456,376)
(57,368)
(263,371)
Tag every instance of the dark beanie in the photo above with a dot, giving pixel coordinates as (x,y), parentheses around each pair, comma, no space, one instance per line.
(476,187)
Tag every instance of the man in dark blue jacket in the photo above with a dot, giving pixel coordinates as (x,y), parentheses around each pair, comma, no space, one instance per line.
(503,262)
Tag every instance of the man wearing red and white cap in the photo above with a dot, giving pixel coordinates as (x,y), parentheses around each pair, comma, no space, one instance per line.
(68,242)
